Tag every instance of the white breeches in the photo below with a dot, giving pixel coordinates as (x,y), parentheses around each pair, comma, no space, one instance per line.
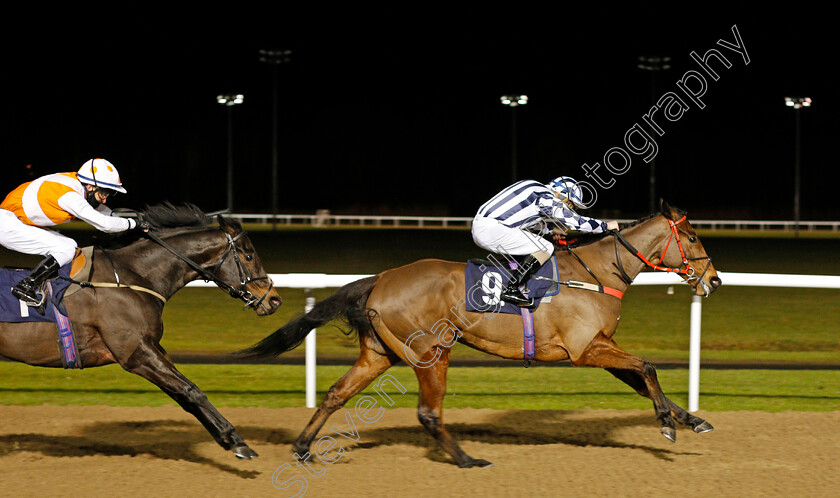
(18,236)
(490,234)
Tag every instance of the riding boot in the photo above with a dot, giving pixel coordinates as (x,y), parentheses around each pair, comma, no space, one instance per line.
(512,293)
(27,289)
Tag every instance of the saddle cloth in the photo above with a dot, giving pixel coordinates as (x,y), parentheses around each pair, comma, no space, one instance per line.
(485,280)
(13,311)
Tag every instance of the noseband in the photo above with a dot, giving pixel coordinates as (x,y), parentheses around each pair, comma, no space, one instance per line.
(250,300)
(685,269)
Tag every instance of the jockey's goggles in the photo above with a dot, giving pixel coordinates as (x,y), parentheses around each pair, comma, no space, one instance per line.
(106,192)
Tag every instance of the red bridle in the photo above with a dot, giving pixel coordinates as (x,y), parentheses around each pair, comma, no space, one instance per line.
(688,270)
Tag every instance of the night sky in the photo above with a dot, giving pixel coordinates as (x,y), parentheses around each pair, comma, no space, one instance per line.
(399,113)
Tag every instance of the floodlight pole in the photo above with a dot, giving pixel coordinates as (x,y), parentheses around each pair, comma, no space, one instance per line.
(796,179)
(797,103)
(513,173)
(274,58)
(653,64)
(229,101)
(513,101)
(230,159)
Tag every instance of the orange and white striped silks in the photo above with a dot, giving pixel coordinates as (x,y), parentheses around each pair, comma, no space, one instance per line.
(36,203)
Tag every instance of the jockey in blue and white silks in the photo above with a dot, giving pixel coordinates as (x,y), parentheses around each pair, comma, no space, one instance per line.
(514,221)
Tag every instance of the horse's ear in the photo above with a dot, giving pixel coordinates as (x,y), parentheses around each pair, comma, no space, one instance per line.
(671,212)
(665,208)
(226,225)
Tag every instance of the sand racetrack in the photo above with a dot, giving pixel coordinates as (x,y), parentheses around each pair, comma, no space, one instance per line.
(111,451)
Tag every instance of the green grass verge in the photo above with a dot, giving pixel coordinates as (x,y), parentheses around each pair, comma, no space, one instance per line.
(277,386)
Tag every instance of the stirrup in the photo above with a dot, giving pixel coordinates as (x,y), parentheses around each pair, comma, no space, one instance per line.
(520,300)
(33,303)
(27,299)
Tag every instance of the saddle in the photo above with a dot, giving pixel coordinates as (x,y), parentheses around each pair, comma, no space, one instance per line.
(80,268)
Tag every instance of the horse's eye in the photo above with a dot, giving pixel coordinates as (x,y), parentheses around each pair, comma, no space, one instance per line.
(692,239)
(249,257)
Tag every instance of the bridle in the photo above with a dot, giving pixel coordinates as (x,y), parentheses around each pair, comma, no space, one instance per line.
(685,269)
(250,300)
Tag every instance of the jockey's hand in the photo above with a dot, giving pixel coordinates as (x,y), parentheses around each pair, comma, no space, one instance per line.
(141,224)
(612,225)
(558,237)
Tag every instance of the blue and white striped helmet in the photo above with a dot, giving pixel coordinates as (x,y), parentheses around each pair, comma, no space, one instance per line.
(567,188)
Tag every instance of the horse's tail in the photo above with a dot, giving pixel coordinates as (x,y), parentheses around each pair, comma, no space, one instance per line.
(348,302)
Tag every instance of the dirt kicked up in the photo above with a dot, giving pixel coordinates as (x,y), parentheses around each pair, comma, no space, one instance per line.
(111,451)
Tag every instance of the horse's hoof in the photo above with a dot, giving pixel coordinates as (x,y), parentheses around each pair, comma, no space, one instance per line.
(704,427)
(300,449)
(670,434)
(476,462)
(244,453)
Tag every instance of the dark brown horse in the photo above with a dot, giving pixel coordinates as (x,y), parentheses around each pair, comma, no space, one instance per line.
(125,326)
(416,312)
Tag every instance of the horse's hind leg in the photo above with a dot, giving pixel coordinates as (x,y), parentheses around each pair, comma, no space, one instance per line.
(430,409)
(152,364)
(636,372)
(368,367)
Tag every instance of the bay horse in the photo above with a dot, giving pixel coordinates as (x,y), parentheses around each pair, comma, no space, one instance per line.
(125,325)
(390,309)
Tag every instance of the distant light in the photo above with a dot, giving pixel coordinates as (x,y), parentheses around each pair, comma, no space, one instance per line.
(514,100)
(230,99)
(275,56)
(798,102)
(654,63)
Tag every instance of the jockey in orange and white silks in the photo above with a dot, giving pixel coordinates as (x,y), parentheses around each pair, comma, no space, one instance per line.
(28,211)
(506,224)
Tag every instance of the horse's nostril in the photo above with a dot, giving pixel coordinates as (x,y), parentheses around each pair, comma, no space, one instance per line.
(715,281)
(275,301)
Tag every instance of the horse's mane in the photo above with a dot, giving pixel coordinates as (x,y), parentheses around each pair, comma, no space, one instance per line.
(642,220)
(168,216)
(165,218)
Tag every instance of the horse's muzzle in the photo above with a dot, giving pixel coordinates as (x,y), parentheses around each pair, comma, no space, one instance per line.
(715,282)
(269,304)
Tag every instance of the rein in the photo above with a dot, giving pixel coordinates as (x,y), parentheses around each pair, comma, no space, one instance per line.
(688,271)
(246,296)
(250,300)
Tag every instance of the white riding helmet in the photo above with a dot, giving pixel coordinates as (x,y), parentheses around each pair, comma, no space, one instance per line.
(567,188)
(101,173)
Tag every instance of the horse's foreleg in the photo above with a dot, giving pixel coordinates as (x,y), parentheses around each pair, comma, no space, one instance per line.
(696,423)
(151,364)
(637,372)
(430,409)
(635,381)
(368,367)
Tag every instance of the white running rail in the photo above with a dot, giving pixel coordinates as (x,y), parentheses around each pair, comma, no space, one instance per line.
(323,280)
(332,220)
